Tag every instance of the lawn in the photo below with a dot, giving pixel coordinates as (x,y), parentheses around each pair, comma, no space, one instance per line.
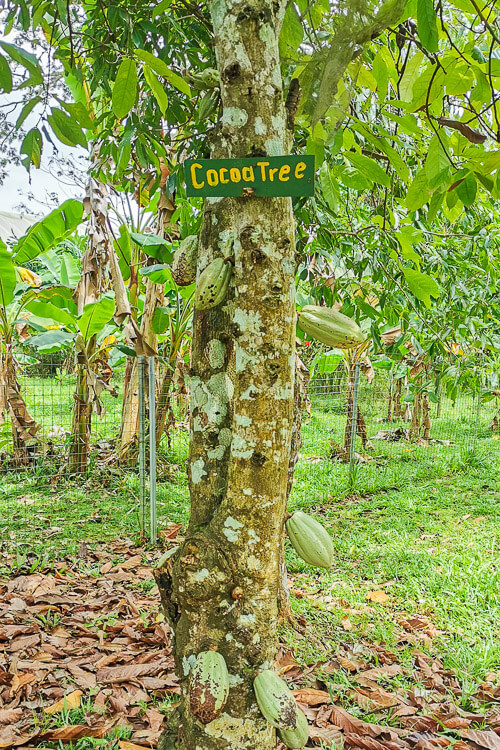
(416,535)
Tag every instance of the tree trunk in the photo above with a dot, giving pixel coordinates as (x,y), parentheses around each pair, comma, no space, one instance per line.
(426,417)
(88,290)
(129,428)
(406,409)
(361,430)
(390,401)
(24,428)
(164,406)
(81,424)
(398,411)
(350,409)
(222,588)
(415,417)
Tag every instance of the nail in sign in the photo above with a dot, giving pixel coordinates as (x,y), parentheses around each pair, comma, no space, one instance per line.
(269,176)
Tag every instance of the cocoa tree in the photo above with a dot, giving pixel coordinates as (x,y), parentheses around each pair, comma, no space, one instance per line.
(221,586)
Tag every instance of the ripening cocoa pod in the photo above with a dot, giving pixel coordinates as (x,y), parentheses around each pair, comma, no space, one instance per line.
(276,702)
(310,540)
(212,284)
(183,265)
(330,327)
(208,686)
(296,738)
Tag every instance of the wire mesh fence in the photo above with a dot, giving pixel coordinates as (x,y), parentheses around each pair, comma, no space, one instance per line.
(363,434)
(132,480)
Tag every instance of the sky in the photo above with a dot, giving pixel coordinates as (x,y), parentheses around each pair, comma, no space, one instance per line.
(18,184)
(40,182)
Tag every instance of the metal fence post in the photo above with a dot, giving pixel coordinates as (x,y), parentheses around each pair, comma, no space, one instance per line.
(142,445)
(152,450)
(354,424)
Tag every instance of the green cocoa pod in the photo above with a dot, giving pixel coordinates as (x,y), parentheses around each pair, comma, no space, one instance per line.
(183,265)
(276,702)
(310,540)
(208,686)
(296,738)
(206,79)
(212,285)
(330,327)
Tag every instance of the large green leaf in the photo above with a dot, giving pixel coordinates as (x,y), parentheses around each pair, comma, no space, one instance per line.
(32,147)
(69,271)
(156,87)
(161,319)
(51,341)
(437,162)
(125,88)
(427,25)
(66,128)
(369,168)
(418,192)
(292,32)
(95,316)
(59,296)
(327,362)
(422,286)
(161,68)
(26,59)
(467,190)
(329,187)
(49,231)
(49,312)
(28,107)
(5,76)
(8,279)
(159,274)
(123,251)
(153,245)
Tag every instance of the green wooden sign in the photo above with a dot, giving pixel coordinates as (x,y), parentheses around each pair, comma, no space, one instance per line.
(261,175)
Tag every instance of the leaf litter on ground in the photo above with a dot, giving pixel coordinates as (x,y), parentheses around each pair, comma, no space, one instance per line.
(85,649)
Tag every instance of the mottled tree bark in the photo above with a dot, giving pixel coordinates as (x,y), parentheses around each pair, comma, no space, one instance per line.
(222,588)
(426,417)
(398,410)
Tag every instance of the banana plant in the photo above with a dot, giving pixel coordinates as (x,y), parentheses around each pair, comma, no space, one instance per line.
(55,306)
(173,325)
(13,281)
(332,361)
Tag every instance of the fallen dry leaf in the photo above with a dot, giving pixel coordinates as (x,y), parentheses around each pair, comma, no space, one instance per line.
(311,697)
(10,715)
(484,738)
(70,701)
(73,732)
(20,680)
(379,597)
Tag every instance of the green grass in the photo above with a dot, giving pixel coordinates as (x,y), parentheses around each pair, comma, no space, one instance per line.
(427,532)
(421,523)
